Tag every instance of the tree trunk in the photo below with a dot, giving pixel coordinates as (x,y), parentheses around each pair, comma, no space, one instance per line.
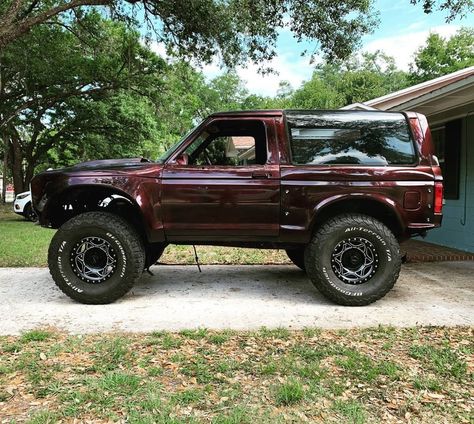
(29,172)
(4,140)
(5,167)
(17,165)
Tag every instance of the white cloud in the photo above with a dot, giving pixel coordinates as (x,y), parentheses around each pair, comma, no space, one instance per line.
(158,48)
(288,69)
(296,69)
(402,46)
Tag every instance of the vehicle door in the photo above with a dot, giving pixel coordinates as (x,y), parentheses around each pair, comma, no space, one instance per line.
(224,183)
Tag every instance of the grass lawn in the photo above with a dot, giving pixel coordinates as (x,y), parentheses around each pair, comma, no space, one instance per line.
(372,375)
(423,375)
(23,243)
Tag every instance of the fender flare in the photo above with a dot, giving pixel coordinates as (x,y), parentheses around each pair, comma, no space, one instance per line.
(388,204)
(121,195)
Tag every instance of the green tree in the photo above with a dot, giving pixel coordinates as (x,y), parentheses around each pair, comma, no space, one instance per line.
(182,102)
(317,94)
(237,30)
(452,8)
(234,30)
(119,125)
(285,90)
(441,56)
(369,76)
(70,93)
(359,79)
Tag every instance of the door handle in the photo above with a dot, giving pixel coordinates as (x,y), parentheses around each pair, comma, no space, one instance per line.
(260,174)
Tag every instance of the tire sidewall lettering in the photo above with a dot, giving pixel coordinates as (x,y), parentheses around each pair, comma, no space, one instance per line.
(338,288)
(122,251)
(367,231)
(62,250)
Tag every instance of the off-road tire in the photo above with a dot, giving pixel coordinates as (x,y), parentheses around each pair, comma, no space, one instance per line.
(319,259)
(154,251)
(297,257)
(123,240)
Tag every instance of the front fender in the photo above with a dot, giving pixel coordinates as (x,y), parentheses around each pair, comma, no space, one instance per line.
(144,193)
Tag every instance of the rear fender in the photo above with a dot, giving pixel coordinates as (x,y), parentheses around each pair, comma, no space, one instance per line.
(378,206)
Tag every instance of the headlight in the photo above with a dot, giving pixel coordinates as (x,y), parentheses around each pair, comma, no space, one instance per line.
(22,196)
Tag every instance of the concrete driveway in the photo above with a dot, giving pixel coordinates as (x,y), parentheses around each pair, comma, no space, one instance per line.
(237,297)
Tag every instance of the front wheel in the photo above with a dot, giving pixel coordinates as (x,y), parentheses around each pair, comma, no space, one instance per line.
(96,258)
(353,260)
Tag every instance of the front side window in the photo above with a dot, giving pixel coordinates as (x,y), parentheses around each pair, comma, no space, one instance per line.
(229,143)
(164,157)
(368,138)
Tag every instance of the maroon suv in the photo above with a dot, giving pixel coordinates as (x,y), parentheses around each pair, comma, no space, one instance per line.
(338,190)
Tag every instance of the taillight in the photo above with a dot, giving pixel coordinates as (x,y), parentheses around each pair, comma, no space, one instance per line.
(438,198)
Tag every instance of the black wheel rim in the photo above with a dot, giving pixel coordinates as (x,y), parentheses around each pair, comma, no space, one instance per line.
(32,215)
(93,260)
(354,260)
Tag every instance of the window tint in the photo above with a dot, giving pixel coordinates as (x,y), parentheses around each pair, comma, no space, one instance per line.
(228,151)
(230,143)
(357,138)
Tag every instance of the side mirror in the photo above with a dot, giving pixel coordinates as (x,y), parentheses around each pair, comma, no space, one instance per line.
(182,159)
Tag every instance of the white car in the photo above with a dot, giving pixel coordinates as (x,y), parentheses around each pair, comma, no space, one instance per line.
(22,206)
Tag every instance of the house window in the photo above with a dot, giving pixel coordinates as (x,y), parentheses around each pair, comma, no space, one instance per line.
(447,143)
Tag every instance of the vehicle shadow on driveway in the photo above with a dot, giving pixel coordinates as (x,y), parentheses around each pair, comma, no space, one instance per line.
(226,281)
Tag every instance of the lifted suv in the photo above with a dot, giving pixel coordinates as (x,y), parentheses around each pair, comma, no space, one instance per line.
(338,190)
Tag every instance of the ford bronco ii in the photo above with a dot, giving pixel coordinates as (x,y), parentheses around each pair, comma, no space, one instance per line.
(338,190)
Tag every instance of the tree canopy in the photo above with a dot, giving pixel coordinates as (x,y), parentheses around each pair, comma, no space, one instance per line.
(441,56)
(233,30)
(452,8)
(92,72)
(357,80)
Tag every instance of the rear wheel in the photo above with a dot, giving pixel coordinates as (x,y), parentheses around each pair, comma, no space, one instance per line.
(353,259)
(297,256)
(96,258)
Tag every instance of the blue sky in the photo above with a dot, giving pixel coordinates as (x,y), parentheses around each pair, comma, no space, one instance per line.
(402,29)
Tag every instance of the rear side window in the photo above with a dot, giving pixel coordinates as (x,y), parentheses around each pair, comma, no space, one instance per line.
(350,138)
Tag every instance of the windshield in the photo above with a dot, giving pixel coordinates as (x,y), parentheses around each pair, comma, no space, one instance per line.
(164,157)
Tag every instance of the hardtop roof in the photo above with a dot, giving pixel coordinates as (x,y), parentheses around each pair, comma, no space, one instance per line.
(258,112)
(280,112)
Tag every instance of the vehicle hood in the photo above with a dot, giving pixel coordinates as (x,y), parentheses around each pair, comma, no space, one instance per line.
(136,167)
(106,164)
